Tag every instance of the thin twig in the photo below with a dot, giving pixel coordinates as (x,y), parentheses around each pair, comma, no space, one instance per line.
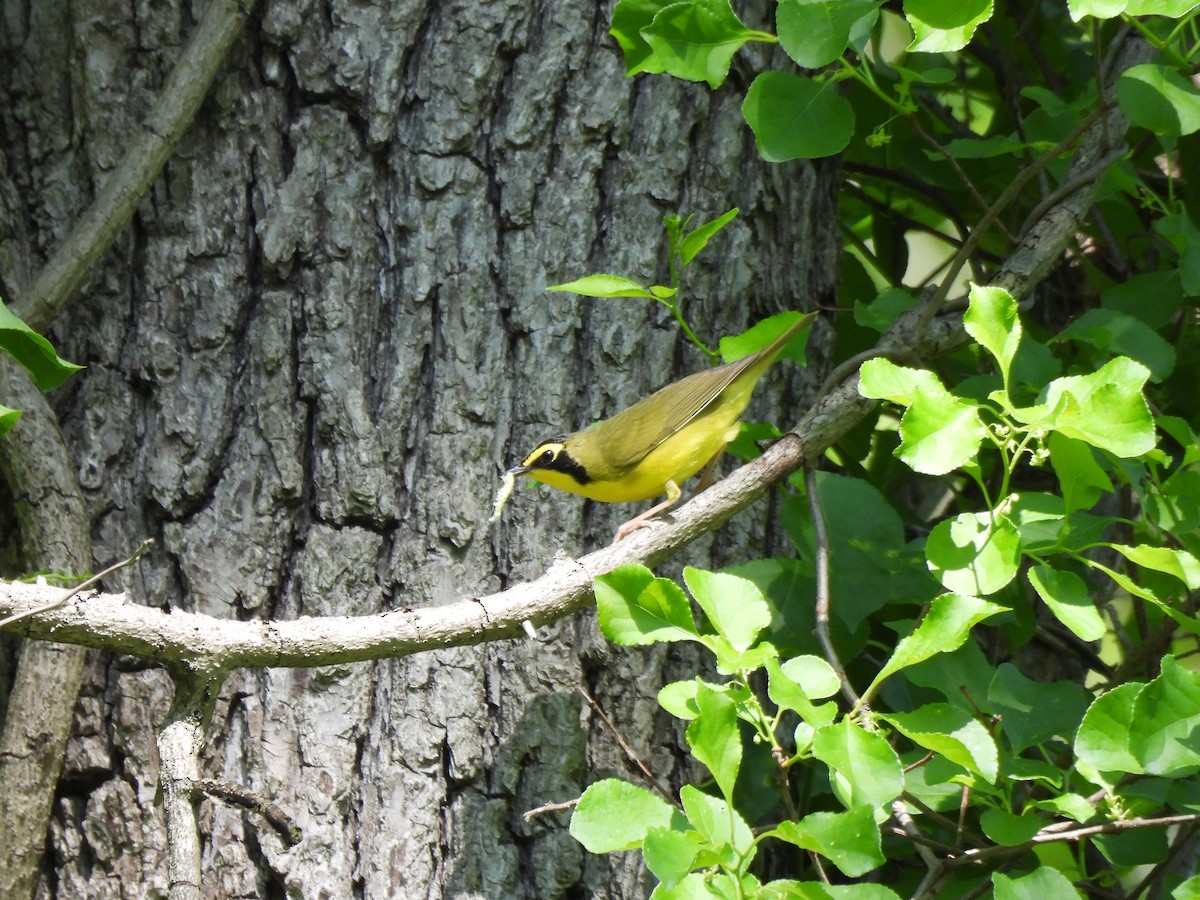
(935,865)
(532,814)
(82,586)
(1046,836)
(237,795)
(822,611)
(633,757)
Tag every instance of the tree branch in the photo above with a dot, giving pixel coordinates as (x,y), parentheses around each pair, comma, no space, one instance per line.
(55,534)
(150,146)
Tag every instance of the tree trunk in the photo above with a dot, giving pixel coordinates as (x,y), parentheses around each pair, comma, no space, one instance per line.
(322,337)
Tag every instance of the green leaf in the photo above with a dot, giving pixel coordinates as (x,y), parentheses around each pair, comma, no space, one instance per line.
(787,889)
(945,14)
(1189,890)
(1099,9)
(698,239)
(928,38)
(1039,884)
(786,688)
(8,418)
(1178,563)
(1103,739)
(714,738)
(1159,99)
(952,732)
(850,839)
(628,19)
(670,853)
(974,553)
(1166,739)
(695,40)
(35,354)
(794,117)
(871,560)
(735,607)
(1117,332)
(1105,408)
(1066,595)
(715,820)
(815,32)
(991,319)
(944,628)
(1008,829)
(1082,479)
(1035,711)
(764,331)
(880,313)
(1175,504)
(615,815)
(603,286)
(863,769)
(636,608)
(1172,9)
(938,431)
(1151,297)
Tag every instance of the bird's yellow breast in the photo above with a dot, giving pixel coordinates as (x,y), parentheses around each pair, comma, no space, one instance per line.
(676,459)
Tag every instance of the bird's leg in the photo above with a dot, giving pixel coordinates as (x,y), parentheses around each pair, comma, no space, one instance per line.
(706,478)
(642,520)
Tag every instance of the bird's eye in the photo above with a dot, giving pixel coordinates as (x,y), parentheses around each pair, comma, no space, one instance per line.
(546,458)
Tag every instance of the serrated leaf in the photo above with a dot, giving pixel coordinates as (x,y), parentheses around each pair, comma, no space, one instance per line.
(635,608)
(670,853)
(1065,595)
(991,319)
(603,286)
(1166,738)
(938,431)
(944,628)
(715,820)
(1103,739)
(735,607)
(714,738)
(952,732)
(615,815)
(928,38)
(788,693)
(850,839)
(628,19)
(679,698)
(863,769)
(794,117)
(1105,408)
(696,40)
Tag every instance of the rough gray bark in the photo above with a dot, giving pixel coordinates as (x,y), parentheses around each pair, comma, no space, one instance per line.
(320,339)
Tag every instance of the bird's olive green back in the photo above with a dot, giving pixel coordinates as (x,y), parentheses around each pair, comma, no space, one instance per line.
(624,440)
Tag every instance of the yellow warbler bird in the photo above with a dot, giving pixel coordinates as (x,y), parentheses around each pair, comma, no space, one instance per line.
(653,446)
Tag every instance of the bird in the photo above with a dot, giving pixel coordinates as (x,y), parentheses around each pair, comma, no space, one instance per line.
(652,447)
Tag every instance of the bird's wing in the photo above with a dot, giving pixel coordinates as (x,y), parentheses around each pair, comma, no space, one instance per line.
(649,422)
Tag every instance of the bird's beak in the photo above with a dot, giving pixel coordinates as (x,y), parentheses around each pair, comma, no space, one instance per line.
(518,470)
